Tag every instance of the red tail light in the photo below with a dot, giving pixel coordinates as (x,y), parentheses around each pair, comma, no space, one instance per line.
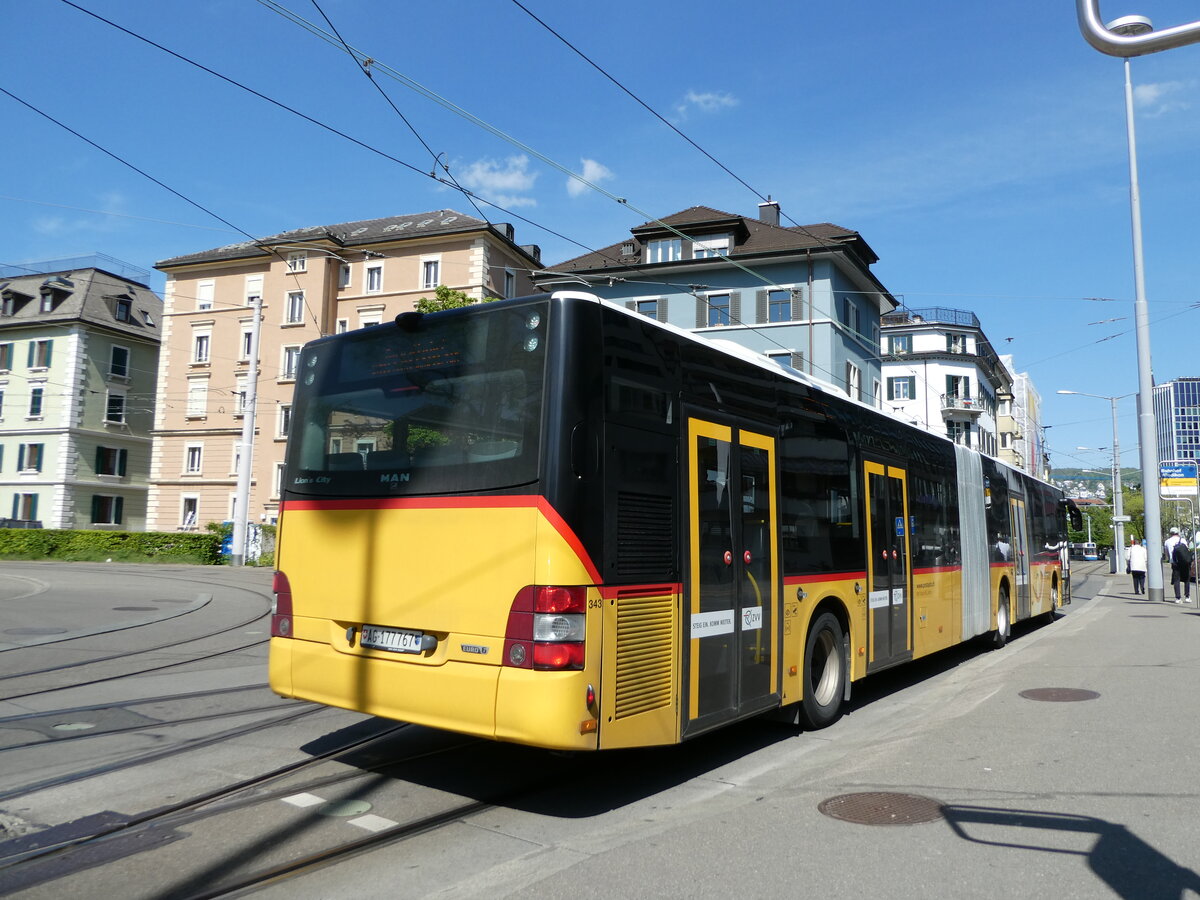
(281,614)
(546,628)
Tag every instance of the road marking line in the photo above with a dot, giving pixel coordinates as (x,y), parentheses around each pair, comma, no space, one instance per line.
(303,800)
(372,822)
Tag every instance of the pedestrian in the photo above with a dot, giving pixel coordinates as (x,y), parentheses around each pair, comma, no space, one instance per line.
(1179,555)
(1135,559)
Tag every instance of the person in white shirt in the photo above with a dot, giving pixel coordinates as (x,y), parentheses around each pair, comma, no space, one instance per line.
(1135,559)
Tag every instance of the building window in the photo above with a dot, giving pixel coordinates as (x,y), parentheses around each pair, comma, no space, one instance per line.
(297,261)
(295,308)
(35,401)
(853,381)
(718,309)
(648,308)
(1,405)
(285,420)
(25,507)
(779,305)
(510,283)
(903,388)
(291,362)
(254,289)
(30,456)
(114,410)
(247,339)
(956,343)
(1006,440)
(343,276)
(148,319)
(118,363)
(343,325)
(193,459)
(717,245)
(277,483)
(899,344)
(430,275)
(39,354)
(111,460)
(6,357)
(959,432)
(122,310)
(1004,408)
(205,291)
(374,279)
(958,387)
(849,314)
(240,391)
(189,512)
(47,302)
(201,345)
(665,250)
(197,397)
(106,510)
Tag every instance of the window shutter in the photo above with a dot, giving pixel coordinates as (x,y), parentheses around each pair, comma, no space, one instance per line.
(122,459)
(735,308)
(16,505)
(891,388)
(33,508)
(798,362)
(797,304)
(912,390)
(662,309)
(118,508)
(760,306)
(701,311)
(49,347)
(99,460)
(29,363)
(20,463)
(631,305)
(95,508)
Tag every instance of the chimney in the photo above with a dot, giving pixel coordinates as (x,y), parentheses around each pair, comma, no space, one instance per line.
(768,213)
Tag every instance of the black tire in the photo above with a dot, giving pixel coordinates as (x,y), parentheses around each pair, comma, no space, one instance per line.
(1003,620)
(825,673)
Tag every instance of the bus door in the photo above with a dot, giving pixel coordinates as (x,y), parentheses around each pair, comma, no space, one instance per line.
(731,635)
(889,597)
(1020,551)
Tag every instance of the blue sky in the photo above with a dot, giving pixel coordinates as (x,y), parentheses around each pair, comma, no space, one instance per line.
(978,147)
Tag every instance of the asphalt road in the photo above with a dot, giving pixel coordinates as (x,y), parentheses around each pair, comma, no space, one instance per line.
(1083,788)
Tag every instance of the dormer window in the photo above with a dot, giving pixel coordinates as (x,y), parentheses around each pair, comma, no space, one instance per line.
(297,261)
(712,246)
(122,309)
(627,248)
(665,250)
(47,302)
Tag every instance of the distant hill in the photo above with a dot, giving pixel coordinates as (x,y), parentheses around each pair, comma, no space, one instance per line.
(1129,477)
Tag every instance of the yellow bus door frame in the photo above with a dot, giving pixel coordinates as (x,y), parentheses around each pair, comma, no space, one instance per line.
(889,569)
(731,633)
(1020,551)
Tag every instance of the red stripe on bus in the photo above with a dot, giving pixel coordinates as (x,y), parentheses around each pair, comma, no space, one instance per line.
(823,576)
(507,501)
(629,592)
(933,570)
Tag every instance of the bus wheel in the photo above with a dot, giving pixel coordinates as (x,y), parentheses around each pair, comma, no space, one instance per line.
(825,672)
(1003,626)
(1055,604)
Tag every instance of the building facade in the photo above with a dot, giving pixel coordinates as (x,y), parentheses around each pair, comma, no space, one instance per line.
(1177,419)
(941,373)
(308,283)
(1028,436)
(79,348)
(804,295)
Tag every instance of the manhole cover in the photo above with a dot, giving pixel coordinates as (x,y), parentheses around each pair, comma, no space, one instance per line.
(339,808)
(1059,695)
(35,631)
(882,808)
(136,608)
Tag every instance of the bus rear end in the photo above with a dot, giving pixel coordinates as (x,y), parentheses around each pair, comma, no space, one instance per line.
(422,574)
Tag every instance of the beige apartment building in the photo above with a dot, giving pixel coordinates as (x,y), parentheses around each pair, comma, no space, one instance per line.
(310,282)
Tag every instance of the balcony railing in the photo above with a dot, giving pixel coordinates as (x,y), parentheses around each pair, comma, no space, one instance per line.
(955,404)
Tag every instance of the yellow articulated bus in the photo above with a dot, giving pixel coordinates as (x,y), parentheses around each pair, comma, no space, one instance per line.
(553,521)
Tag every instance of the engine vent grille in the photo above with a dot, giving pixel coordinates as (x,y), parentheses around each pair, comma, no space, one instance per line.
(645,654)
(645,537)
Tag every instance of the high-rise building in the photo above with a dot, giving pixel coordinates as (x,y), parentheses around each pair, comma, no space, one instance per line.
(1177,419)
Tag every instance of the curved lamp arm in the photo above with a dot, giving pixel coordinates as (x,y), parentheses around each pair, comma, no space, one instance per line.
(1106,41)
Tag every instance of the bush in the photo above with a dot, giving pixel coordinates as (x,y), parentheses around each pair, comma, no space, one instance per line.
(121,546)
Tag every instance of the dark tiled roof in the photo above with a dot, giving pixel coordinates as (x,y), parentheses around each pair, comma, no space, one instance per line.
(752,237)
(84,295)
(345,234)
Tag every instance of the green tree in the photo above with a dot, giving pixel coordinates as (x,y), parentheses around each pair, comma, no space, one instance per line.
(447,298)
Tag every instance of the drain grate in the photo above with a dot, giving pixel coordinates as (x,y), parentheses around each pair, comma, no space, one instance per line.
(882,808)
(1059,695)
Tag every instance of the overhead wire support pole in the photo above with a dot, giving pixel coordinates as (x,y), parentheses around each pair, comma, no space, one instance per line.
(241,505)
(1126,37)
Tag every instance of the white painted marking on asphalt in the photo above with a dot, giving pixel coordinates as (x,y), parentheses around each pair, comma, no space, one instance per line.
(303,800)
(372,822)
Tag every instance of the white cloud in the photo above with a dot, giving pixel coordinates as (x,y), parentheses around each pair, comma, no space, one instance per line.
(708,103)
(501,182)
(593,172)
(1160,98)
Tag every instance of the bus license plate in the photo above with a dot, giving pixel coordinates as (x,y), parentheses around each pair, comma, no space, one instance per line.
(397,640)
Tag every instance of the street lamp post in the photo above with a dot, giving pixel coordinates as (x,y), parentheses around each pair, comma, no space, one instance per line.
(1126,37)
